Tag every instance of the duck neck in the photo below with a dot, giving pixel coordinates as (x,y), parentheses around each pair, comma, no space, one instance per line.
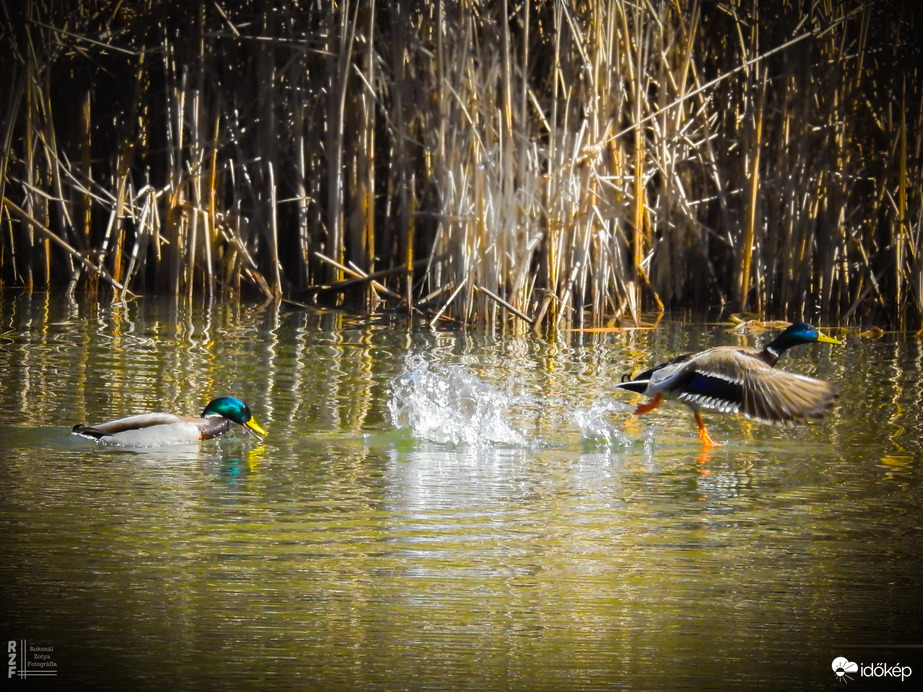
(771,353)
(775,348)
(213,425)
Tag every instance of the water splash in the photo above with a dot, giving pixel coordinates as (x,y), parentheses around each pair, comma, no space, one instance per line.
(449,405)
(596,426)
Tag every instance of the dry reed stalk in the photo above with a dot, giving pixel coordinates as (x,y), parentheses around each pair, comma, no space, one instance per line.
(579,162)
(274,237)
(752,208)
(361,222)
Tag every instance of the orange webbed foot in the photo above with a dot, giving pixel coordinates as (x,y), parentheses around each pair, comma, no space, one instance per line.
(703,433)
(649,406)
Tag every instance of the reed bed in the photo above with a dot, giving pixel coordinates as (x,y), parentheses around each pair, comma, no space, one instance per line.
(520,165)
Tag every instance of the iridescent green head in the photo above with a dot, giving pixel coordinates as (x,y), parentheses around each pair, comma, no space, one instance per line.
(798,333)
(234,410)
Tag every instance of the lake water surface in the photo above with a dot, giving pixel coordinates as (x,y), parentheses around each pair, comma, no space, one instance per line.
(445,510)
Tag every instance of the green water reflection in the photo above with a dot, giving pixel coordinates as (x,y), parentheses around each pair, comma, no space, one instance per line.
(342,553)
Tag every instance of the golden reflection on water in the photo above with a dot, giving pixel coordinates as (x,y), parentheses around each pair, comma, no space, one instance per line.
(343,553)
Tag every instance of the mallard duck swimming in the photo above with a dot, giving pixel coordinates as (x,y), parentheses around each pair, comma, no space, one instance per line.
(156,429)
(730,379)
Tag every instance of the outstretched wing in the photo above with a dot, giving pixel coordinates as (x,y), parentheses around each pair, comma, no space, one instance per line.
(734,381)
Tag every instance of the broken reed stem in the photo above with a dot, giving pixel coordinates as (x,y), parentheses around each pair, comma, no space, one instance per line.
(502,303)
(359,276)
(346,284)
(445,306)
(50,235)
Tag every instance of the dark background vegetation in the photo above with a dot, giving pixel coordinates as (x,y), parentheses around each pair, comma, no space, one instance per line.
(510,163)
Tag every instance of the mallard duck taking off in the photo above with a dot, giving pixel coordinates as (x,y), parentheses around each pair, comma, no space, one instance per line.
(156,429)
(730,379)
